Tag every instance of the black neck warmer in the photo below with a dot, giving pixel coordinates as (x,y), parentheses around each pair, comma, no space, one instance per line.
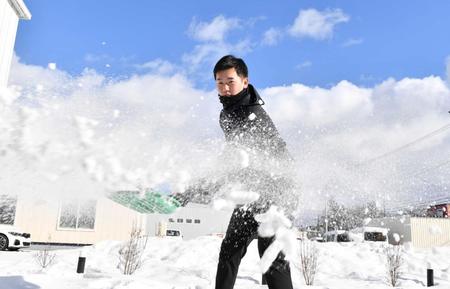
(229,101)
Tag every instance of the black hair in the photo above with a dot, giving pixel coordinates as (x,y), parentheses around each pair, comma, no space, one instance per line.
(230,61)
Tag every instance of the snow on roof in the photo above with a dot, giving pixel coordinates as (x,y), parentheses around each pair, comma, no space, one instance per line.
(336,232)
(196,205)
(20,8)
(384,231)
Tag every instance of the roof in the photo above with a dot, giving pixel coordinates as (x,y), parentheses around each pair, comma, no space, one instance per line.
(20,8)
(147,203)
(335,232)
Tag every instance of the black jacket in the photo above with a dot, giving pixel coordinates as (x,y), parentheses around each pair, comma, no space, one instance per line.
(247,124)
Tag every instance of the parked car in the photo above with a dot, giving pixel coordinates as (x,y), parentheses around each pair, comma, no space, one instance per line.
(317,239)
(337,236)
(174,233)
(12,238)
(376,234)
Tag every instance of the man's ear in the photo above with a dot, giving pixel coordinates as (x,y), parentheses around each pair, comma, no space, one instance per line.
(246,82)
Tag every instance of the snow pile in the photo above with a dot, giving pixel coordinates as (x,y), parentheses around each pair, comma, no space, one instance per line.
(173,263)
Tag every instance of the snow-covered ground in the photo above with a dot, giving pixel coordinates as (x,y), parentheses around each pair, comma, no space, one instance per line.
(173,263)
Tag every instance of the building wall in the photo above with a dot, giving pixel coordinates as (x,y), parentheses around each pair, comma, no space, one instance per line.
(211,221)
(8,28)
(40,218)
(430,232)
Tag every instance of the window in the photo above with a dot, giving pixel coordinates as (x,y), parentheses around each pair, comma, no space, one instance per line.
(7,209)
(77,215)
(197,221)
(171,220)
(189,221)
(179,220)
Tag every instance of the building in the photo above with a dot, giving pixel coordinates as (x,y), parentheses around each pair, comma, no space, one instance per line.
(88,221)
(419,232)
(70,222)
(10,13)
(191,221)
(439,211)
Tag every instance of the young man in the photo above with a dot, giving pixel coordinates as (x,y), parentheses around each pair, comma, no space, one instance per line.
(247,125)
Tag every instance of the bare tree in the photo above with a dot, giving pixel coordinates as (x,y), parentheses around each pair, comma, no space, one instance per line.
(45,257)
(308,261)
(394,261)
(130,255)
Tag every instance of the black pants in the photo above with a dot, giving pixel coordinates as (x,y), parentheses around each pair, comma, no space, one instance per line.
(241,231)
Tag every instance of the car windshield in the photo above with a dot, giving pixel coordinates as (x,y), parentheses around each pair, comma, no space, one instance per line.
(172,233)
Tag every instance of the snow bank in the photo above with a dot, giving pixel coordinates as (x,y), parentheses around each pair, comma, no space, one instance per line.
(174,263)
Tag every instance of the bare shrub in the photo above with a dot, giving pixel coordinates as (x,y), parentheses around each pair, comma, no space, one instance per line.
(394,261)
(130,255)
(45,257)
(308,260)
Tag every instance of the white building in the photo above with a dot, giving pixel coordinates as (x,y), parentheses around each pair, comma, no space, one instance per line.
(82,221)
(192,221)
(10,13)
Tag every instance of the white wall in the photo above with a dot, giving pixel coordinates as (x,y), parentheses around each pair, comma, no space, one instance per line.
(8,28)
(211,221)
(40,218)
(430,232)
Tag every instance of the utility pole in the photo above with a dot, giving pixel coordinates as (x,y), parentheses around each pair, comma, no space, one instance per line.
(326,214)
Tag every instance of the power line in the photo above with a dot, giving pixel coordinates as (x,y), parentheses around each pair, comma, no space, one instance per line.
(429,169)
(428,135)
(420,204)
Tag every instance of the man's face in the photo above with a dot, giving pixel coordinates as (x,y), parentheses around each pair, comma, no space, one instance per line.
(229,83)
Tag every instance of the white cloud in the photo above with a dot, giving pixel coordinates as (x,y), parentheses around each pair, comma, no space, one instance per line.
(157,66)
(215,30)
(352,42)
(317,24)
(132,132)
(319,106)
(91,57)
(304,65)
(448,68)
(213,43)
(63,132)
(206,54)
(272,36)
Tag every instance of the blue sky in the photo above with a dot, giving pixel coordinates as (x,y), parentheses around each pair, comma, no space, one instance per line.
(367,41)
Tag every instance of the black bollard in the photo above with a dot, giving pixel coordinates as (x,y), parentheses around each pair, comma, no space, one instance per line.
(81,263)
(430,279)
